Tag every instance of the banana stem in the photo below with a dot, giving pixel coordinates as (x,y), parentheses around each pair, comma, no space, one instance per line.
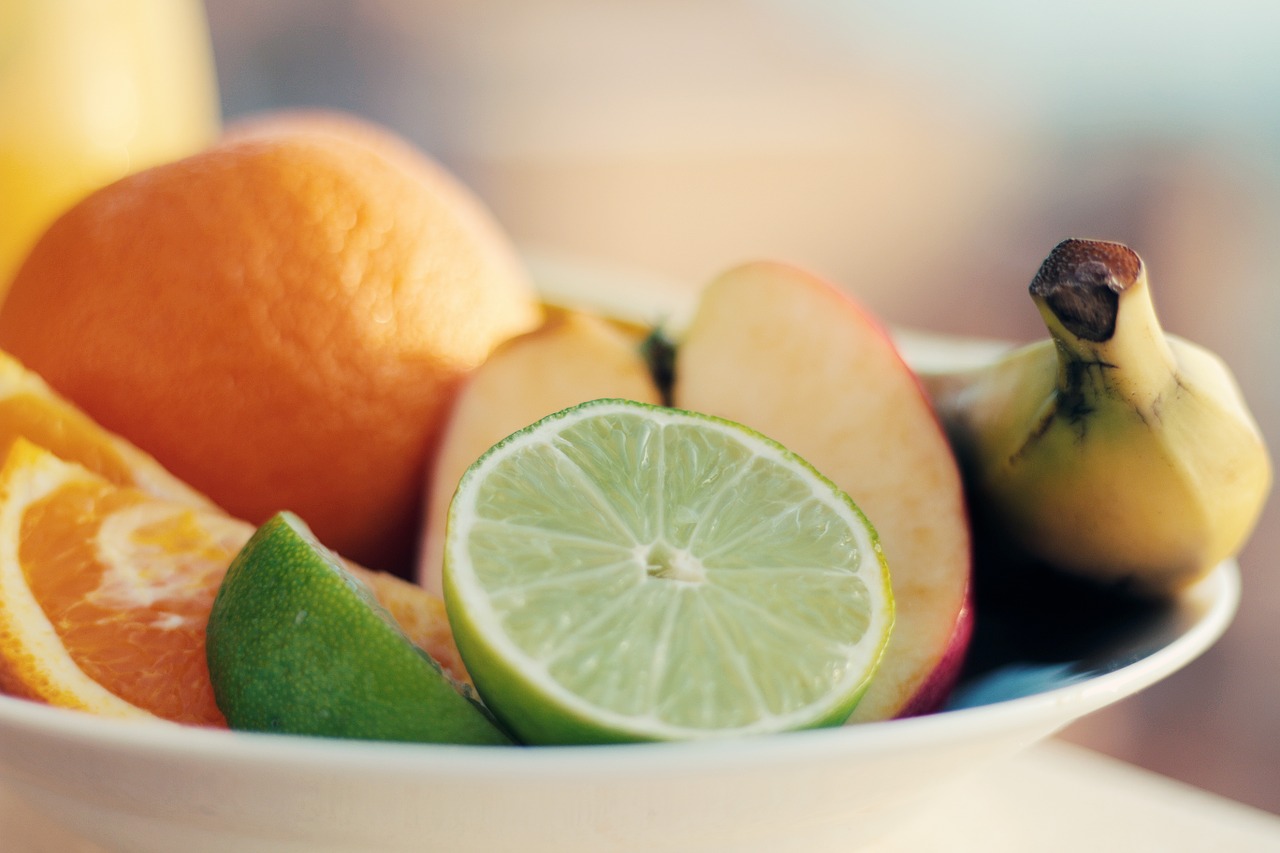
(1094,299)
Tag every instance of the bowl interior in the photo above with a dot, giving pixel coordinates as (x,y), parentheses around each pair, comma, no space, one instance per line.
(1039,632)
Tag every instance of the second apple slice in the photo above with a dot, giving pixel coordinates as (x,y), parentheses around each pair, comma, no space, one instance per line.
(790,355)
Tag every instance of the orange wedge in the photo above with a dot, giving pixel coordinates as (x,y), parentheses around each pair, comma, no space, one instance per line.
(105,592)
(30,408)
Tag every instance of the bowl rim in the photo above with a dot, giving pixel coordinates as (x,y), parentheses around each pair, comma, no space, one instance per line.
(1218,596)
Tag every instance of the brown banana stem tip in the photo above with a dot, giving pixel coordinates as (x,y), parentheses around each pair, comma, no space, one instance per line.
(1081,282)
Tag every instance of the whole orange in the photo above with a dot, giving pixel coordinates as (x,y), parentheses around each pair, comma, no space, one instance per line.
(281,320)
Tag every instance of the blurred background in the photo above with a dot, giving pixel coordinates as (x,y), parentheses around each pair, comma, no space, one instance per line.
(924,155)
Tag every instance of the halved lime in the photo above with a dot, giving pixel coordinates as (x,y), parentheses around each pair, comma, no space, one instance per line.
(298,645)
(625,572)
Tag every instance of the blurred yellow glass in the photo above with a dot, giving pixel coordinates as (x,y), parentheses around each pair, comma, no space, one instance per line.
(91,90)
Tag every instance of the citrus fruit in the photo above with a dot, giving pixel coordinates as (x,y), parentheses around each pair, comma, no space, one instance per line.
(420,614)
(91,91)
(620,571)
(298,645)
(30,408)
(281,320)
(570,359)
(105,591)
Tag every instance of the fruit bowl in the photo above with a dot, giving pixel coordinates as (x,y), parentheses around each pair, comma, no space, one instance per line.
(154,787)
(1041,657)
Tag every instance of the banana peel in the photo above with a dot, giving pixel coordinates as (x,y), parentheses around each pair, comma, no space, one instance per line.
(1110,450)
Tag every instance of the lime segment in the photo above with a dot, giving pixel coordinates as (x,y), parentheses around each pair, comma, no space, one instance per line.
(298,645)
(620,571)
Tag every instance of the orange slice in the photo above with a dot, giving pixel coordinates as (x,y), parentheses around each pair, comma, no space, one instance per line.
(32,409)
(105,592)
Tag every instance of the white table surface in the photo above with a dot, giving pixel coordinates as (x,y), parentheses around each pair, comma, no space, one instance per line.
(1053,797)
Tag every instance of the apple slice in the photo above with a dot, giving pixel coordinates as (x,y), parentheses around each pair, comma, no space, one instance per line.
(572,358)
(790,355)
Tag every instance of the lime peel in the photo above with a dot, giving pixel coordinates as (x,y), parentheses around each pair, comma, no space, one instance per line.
(296,644)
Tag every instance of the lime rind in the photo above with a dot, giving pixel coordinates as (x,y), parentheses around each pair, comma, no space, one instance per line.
(296,644)
(607,581)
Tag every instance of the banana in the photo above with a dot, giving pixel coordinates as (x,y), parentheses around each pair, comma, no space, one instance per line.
(1111,450)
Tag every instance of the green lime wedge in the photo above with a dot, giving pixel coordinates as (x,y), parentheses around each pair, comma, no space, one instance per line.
(625,572)
(298,645)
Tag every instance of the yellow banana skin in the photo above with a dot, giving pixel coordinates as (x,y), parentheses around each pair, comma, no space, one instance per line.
(1110,450)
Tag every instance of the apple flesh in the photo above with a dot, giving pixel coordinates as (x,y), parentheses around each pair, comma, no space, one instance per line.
(792,356)
(572,358)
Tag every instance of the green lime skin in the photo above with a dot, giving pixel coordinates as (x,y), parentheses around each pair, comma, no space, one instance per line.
(298,645)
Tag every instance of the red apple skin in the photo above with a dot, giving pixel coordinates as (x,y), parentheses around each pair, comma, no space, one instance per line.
(793,356)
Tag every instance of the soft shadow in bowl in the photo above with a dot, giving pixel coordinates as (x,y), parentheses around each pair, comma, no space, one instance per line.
(1036,631)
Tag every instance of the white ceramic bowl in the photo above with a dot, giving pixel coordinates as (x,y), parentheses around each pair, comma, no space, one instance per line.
(1034,668)
(164,788)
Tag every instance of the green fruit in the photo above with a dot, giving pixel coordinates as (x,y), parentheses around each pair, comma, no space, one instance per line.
(625,572)
(298,645)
